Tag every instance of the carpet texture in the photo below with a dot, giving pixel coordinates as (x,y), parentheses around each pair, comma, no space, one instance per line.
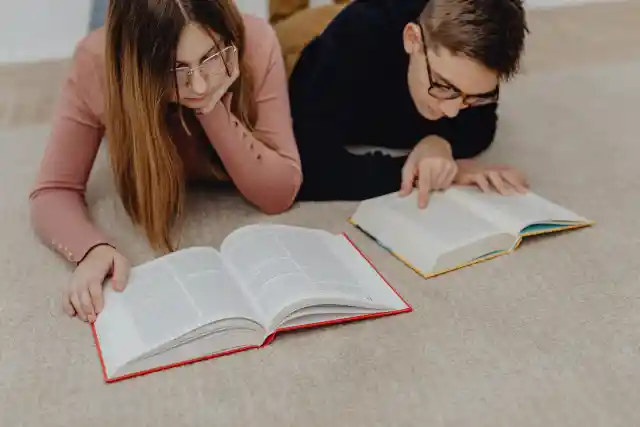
(547,336)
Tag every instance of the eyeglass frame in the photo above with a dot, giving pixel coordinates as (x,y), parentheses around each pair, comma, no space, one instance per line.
(191,70)
(484,98)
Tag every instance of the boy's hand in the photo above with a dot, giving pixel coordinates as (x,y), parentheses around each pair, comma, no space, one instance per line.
(431,164)
(506,180)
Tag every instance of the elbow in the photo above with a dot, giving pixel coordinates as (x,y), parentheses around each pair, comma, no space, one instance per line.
(281,196)
(35,206)
(473,152)
(473,147)
(38,211)
(475,133)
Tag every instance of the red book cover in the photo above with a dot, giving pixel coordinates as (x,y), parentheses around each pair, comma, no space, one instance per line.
(269,338)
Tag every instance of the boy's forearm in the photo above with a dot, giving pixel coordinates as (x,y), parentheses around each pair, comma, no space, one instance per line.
(437,145)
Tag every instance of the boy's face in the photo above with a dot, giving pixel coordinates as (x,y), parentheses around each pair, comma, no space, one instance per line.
(442,83)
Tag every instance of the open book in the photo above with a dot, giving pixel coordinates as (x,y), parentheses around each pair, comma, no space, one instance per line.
(459,227)
(199,303)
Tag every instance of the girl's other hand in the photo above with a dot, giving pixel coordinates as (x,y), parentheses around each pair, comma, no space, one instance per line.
(234,67)
(83,296)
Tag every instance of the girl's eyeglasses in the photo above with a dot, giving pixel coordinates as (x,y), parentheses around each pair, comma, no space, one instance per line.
(217,64)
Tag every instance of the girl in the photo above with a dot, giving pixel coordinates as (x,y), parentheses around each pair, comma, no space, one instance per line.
(183,90)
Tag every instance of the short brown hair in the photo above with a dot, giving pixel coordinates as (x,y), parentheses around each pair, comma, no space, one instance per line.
(491,32)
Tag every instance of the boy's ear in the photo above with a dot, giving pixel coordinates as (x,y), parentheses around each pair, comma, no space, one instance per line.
(411,37)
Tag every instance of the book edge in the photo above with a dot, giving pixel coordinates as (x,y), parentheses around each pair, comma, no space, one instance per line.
(472,262)
(269,339)
(366,258)
(430,275)
(560,229)
(110,380)
(408,307)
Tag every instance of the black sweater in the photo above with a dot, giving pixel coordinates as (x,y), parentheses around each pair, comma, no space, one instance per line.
(349,87)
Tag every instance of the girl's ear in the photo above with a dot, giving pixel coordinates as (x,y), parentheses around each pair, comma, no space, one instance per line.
(412,39)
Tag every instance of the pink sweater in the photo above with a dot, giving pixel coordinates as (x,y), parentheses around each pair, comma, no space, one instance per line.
(263,165)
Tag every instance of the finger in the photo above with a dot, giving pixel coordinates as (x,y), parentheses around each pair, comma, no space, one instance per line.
(515,180)
(120,273)
(66,305)
(424,187)
(451,175)
(95,292)
(498,183)
(408,178)
(439,176)
(481,181)
(87,305)
(462,178)
(521,177)
(75,301)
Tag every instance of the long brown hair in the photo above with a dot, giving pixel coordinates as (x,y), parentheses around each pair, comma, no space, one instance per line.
(142,36)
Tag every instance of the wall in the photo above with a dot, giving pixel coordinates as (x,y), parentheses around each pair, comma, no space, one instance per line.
(255,7)
(32,30)
(532,4)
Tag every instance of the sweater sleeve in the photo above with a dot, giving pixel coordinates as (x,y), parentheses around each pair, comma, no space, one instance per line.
(263,163)
(58,210)
(323,86)
(471,132)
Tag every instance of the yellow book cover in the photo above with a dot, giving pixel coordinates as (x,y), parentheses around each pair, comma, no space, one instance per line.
(460,227)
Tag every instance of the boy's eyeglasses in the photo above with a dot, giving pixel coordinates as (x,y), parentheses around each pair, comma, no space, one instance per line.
(446,92)
(214,65)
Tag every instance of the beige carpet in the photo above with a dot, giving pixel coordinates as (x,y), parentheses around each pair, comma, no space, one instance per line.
(548,336)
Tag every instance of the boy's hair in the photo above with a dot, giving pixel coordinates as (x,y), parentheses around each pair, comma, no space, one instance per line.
(491,32)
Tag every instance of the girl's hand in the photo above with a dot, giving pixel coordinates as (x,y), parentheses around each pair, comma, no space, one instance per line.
(83,296)
(506,180)
(220,92)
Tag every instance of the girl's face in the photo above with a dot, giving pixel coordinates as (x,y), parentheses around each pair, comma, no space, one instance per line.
(203,63)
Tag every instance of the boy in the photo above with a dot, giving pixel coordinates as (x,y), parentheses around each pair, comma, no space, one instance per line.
(419,75)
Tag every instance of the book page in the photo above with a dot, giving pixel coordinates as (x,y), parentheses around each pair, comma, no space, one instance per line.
(513,213)
(422,236)
(167,298)
(283,265)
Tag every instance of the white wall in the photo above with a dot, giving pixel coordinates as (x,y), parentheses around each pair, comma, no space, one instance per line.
(255,7)
(534,4)
(31,30)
